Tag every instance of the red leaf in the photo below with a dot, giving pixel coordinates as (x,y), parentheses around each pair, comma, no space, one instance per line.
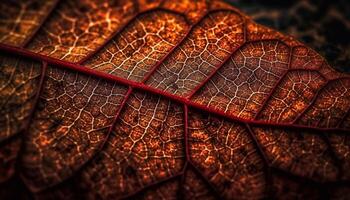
(131,99)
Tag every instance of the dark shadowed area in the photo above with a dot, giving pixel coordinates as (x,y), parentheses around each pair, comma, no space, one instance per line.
(321,24)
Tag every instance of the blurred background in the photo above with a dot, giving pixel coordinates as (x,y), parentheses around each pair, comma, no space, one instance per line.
(324,25)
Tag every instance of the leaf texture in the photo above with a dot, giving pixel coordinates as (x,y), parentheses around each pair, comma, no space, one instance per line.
(165,100)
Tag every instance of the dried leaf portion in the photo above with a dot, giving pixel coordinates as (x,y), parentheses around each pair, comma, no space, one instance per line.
(292,96)
(242,85)
(257,32)
(226,155)
(77,28)
(71,123)
(144,5)
(206,47)
(331,105)
(141,45)
(298,152)
(305,58)
(19,83)
(20,19)
(194,10)
(145,147)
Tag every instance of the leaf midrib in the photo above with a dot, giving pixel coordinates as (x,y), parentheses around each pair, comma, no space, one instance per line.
(142,87)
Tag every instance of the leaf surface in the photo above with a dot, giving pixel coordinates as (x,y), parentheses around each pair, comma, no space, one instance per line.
(190,100)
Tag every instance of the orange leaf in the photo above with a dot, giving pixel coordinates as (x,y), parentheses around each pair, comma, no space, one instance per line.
(131,99)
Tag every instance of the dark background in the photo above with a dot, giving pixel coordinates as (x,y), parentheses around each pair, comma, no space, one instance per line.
(323,25)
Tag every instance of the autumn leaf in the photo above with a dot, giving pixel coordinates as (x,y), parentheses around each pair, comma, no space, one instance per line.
(164,100)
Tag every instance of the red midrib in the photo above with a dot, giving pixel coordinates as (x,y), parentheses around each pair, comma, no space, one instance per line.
(141,86)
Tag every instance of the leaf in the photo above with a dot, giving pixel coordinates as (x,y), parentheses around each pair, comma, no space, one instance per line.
(132,99)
